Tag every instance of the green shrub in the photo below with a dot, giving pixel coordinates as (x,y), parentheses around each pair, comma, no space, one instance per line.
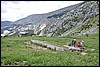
(87,35)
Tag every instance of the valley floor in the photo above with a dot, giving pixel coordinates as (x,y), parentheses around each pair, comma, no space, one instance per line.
(14,52)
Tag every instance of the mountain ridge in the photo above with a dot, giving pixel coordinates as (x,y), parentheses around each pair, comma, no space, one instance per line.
(45,15)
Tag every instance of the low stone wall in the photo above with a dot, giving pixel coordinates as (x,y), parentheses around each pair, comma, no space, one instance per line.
(55,47)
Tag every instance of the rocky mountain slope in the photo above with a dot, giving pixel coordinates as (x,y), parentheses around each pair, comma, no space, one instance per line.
(82,20)
(78,19)
(37,18)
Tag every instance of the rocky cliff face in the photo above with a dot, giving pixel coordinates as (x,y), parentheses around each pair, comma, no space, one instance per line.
(78,19)
(83,19)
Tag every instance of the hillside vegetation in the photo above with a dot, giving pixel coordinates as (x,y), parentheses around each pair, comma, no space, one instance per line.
(15,53)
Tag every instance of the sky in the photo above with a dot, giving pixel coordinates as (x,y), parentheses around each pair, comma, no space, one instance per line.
(15,10)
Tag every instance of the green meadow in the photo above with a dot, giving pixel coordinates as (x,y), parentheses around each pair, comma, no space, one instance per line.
(15,53)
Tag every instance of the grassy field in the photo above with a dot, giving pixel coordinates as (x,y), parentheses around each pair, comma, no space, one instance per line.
(15,53)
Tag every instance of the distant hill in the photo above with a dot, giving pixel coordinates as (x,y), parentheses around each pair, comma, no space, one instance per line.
(5,23)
